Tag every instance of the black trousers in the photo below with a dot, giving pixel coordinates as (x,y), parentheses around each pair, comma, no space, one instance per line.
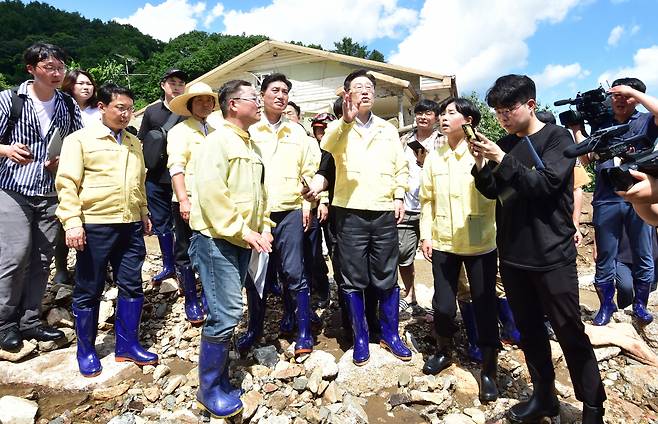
(289,247)
(368,251)
(183,235)
(481,272)
(531,295)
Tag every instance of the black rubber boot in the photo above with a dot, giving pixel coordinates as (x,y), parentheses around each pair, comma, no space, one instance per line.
(593,414)
(488,387)
(542,403)
(442,359)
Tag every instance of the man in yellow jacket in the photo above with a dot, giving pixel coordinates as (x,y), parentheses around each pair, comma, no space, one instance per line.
(371,179)
(102,206)
(285,149)
(229,219)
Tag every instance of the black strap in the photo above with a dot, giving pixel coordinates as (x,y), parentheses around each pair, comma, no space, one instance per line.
(17,101)
(170,122)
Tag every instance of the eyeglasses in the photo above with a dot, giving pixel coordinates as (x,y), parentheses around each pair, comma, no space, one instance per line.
(53,69)
(368,87)
(507,112)
(323,117)
(426,113)
(256,100)
(122,109)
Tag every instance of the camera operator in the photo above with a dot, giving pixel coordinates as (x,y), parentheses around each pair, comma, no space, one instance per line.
(612,212)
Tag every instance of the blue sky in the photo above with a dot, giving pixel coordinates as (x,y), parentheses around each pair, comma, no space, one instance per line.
(568,46)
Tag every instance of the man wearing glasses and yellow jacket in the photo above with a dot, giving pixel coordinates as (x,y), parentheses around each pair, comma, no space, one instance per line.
(229,219)
(284,147)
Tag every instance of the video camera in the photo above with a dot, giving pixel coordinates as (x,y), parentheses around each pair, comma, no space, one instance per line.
(593,107)
(607,144)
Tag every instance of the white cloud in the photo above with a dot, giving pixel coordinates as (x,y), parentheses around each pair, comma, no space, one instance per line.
(214,14)
(615,35)
(634,29)
(168,19)
(645,67)
(309,22)
(553,75)
(477,40)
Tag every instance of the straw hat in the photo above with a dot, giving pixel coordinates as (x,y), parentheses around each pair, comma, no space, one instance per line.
(179,104)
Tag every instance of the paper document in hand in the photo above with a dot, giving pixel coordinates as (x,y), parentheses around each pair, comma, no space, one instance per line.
(55,145)
(258,269)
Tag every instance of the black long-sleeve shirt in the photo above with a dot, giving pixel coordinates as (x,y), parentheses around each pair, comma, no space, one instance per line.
(534,206)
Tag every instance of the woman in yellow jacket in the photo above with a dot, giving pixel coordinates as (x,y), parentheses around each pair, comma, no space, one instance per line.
(183,140)
(457,226)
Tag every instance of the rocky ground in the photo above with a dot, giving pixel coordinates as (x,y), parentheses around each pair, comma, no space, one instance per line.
(41,383)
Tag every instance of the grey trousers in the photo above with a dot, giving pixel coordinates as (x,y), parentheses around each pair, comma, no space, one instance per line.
(28,227)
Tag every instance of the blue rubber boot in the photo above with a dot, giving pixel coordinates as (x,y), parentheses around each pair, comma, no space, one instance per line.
(256,310)
(126,327)
(227,387)
(389,309)
(640,301)
(166,242)
(468,316)
(193,310)
(287,325)
(606,292)
(302,307)
(86,328)
(509,333)
(356,305)
(213,362)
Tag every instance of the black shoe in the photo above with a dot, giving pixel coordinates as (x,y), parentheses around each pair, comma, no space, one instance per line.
(542,403)
(42,333)
(10,339)
(488,388)
(441,359)
(592,414)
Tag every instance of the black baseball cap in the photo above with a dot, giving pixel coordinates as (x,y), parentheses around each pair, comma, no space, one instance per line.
(174,72)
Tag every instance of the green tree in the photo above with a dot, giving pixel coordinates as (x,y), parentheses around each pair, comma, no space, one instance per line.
(3,83)
(488,125)
(350,47)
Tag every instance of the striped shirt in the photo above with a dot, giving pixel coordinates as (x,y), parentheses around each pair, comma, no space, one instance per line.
(33,179)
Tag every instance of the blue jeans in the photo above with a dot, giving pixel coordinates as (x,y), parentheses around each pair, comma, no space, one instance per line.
(159,198)
(608,220)
(222,267)
(122,245)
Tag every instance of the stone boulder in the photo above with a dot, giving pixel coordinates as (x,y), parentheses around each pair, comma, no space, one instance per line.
(381,371)
(15,410)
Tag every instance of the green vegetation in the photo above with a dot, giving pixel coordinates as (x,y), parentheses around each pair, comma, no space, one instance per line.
(118,53)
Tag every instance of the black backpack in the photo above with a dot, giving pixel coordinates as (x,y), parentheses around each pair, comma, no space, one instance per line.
(154,144)
(17,102)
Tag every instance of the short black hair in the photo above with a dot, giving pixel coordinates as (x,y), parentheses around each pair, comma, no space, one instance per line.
(546,116)
(227,91)
(425,105)
(509,90)
(463,106)
(356,74)
(338,107)
(42,51)
(107,92)
(269,79)
(631,82)
(298,110)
